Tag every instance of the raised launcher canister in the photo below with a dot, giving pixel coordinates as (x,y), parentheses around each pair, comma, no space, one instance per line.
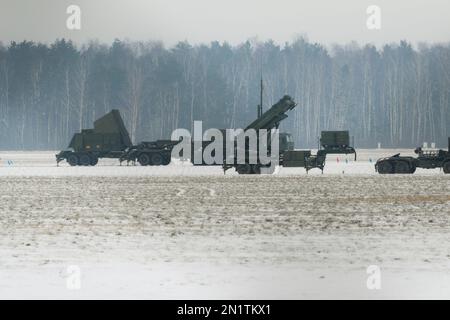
(108,139)
(268,120)
(336,142)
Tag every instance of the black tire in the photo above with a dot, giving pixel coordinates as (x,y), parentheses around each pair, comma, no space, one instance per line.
(244,169)
(94,160)
(156,159)
(73,160)
(413,169)
(144,159)
(85,160)
(402,167)
(385,167)
(446,167)
(166,161)
(256,169)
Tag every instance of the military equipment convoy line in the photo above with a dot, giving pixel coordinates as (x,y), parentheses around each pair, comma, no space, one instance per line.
(110,139)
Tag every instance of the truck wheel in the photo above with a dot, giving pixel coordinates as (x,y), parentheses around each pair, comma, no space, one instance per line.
(446,167)
(156,159)
(256,169)
(402,167)
(384,167)
(166,161)
(94,160)
(144,159)
(73,160)
(244,169)
(85,160)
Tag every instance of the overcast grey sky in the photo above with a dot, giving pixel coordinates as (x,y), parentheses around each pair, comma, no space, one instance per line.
(324,21)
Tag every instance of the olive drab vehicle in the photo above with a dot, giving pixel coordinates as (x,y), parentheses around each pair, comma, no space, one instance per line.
(336,142)
(397,164)
(153,153)
(266,121)
(331,142)
(110,139)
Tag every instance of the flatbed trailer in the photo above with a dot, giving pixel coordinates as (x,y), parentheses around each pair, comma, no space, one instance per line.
(110,139)
(154,153)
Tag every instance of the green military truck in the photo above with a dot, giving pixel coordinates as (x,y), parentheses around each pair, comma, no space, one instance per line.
(110,139)
(331,142)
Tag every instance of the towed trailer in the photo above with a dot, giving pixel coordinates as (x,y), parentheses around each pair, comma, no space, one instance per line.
(153,153)
(331,142)
(110,139)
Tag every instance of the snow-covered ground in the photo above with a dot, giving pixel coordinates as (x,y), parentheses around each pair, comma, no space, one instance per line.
(185,232)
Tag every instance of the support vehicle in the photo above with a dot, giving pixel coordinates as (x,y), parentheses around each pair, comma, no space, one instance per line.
(110,139)
(426,159)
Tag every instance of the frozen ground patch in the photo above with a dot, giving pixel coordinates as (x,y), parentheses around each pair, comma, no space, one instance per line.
(162,233)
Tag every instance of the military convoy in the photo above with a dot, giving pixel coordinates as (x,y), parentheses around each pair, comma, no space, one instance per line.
(431,159)
(110,139)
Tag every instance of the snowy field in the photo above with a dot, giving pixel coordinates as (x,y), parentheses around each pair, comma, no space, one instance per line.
(184,232)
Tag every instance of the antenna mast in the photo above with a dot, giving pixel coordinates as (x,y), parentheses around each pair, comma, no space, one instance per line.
(260,111)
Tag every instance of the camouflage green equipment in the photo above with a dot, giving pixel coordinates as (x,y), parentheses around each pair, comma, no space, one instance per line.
(286,142)
(154,153)
(297,158)
(336,142)
(332,142)
(110,139)
(304,158)
(430,159)
(268,120)
(271,118)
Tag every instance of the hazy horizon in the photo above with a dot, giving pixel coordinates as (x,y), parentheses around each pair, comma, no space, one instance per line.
(233,21)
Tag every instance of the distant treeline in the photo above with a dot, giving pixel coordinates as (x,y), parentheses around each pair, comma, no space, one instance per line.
(396,95)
